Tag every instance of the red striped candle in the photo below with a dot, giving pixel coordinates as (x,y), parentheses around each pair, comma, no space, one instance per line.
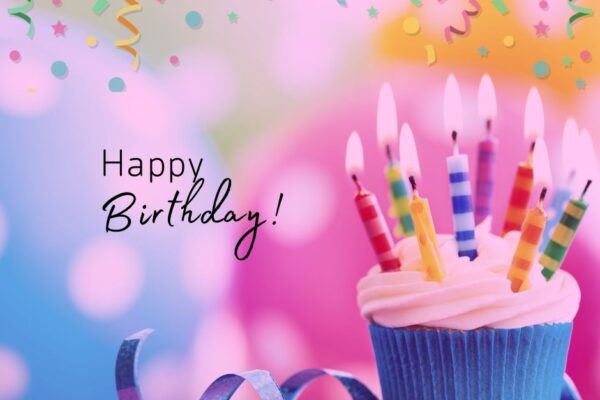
(519,199)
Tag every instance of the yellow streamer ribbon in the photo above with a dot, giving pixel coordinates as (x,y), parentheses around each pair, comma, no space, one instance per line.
(21,12)
(126,44)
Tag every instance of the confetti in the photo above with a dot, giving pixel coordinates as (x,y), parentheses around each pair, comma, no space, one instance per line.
(508,41)
(193,19)
(500,6)
(342,3)
(580,12)
(431,56)
(14,56)
(416,3)
(100,6)
(580,83)
(21,12)
(233,17)
(411,26)
(544,5)
(541,29)
(467,15)
(567,62)
(174,60)
(373,12)
(57,3)
(59,69)
(541,69)
(91,41)
(116,85)
(483,51)
(586,56)
(125,44)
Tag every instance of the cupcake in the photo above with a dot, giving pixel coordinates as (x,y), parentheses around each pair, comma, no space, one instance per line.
(469,336)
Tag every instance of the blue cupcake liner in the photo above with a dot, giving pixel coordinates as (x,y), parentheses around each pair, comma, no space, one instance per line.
(429,363)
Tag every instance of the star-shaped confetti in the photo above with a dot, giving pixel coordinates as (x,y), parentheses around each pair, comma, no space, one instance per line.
(59,29)
(541,29)
(373,12)
(483,51)
(580,83)
(567,62)
(233,17)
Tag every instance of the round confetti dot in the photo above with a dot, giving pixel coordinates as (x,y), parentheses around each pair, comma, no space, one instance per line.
(59,69)
(14,56)
(411,26)
(91,41)
(543,5)
(116,85)
(586,56)
(541,69)
(509,41)
(174,60)
(193,19)
(57,3)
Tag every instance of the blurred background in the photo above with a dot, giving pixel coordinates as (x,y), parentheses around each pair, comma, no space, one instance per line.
(267,93)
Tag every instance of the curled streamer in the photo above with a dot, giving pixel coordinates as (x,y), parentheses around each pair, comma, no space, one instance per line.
(21,12)
(467,15)
(224,387)
(126,44)
(580,12)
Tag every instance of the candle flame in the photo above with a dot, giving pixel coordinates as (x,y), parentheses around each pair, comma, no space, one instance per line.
(586,162)
(486,99)
(570,146)
(354,155)
(387,120)
(409,158)
(534,115)
(542,174)
(453,115)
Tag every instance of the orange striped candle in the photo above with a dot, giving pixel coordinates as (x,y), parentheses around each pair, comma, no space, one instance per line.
(531,235)
(519,198)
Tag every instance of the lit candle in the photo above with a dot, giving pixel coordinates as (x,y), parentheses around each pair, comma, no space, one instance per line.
(486,154)
(523,184)
(426,236)
(563,234)
(458,173)
(368,209)
(387,134)
(561,195)
(533,225)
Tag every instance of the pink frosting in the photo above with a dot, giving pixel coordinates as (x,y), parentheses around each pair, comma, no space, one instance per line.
(473,295)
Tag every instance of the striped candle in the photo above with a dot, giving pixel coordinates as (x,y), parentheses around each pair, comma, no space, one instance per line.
(426,236)
(557,204)
(531,234)
(519,198)
(400,203)
(377,230)
(486,171)
(556,250)
(462,203)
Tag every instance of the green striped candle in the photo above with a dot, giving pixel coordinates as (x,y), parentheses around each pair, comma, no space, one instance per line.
(563,235)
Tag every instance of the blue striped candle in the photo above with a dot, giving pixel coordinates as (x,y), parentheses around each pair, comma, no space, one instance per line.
(462,205)
(557,205)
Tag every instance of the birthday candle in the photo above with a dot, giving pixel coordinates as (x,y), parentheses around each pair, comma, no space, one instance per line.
(561,196)
(523,184)
(426,236)
(387,133)
(563,234)
(368,209)
(486,152)
(533,225)
(458,173)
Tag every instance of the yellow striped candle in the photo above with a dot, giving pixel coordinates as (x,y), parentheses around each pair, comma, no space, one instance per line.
(400,204)
(563,235)
(426,236)
(531,234)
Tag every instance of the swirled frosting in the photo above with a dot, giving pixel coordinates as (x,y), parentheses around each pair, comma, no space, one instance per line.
(474,294)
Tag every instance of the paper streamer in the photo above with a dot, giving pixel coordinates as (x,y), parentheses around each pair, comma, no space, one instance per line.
(126,44)
(21,12)
(224,387)
(580,12)
(100,6)
(500,6)
(467,15)
(431,56)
